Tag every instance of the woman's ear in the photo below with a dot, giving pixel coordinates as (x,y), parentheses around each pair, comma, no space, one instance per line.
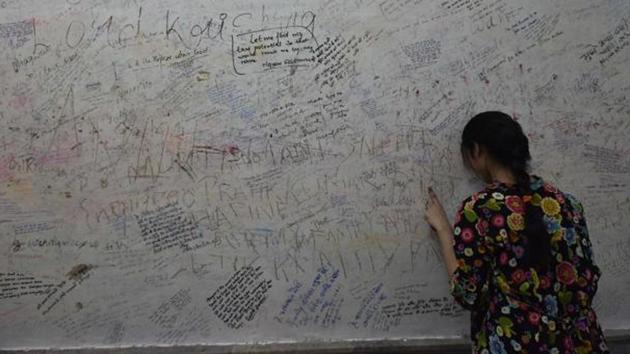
(475,153)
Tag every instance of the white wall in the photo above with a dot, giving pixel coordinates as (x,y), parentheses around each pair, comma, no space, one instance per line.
(151,154)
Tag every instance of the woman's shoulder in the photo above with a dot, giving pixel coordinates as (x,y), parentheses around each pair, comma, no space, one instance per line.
(545,190)
(476,198)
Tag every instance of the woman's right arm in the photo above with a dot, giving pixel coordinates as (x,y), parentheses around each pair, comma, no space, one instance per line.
(469,281)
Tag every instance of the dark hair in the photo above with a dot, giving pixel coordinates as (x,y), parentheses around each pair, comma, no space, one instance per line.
(504,140)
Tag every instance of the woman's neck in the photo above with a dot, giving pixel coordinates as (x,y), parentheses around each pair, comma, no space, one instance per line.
(502,175)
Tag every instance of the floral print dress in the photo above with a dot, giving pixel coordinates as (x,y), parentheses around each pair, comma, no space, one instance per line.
(514,309)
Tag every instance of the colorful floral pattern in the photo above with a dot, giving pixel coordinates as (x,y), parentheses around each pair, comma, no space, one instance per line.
(514,309)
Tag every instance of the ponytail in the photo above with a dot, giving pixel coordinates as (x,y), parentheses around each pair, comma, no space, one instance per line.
(536,235)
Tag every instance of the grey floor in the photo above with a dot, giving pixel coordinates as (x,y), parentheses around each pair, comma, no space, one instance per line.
(618,341)
(617,347)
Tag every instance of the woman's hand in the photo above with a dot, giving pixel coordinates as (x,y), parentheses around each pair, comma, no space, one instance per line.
(434,213)
(436,217)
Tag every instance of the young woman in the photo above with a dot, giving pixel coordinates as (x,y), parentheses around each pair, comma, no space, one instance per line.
(519,255)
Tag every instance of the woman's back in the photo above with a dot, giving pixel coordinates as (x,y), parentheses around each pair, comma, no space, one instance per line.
(514,307)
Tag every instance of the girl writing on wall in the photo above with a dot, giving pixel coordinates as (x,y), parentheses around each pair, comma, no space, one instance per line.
(519,255)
